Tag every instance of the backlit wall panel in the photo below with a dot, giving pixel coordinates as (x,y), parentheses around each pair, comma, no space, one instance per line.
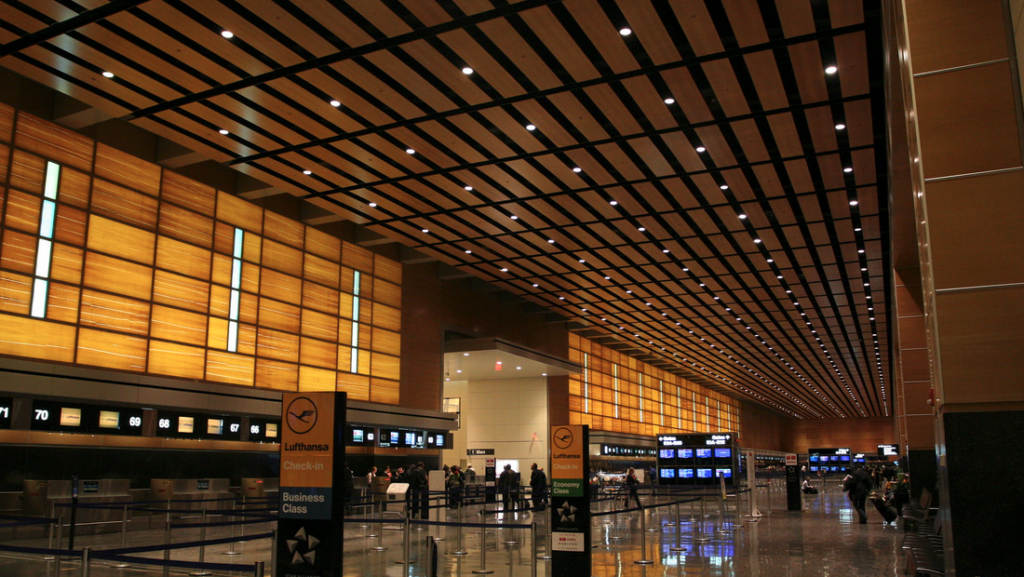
(110,261)
(618,393)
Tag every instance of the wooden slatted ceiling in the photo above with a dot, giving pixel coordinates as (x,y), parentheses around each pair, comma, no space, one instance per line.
(748,83)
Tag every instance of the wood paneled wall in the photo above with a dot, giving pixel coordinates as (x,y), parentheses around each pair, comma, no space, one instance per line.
(861,435)
(151,272)
(761,428)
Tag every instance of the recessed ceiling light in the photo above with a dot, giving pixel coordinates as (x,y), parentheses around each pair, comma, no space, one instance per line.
(467,71)
(108,74)
(535,285)
(561,298)
(373,205)
(664,250)
(642,229)
(858,229)
(860,251)
(701,149)
(335,103)
(551,241)
(504,270)
(410,151)
(469,252)
(742,216)
(582,261)
(840,127)
(468,187)
(853,203)
(307,172)
(223,131)
(757,241)
(424,231)
(625,31)
(771,260)
(848,169)
(607,278)
(465,354)
(577,169)
(629,292)
(514,217)
(614,203)
(531,127)
(670,100)
(831,70)
(724,187)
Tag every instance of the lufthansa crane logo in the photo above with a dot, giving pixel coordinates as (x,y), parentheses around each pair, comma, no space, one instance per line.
(302,415)
(563,438)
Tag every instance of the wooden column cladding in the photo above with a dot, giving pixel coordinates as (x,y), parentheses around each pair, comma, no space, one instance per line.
(141,276)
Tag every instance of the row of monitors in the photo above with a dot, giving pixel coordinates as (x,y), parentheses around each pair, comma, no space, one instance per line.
(398,438)
(96,419)
(828,458)
(832,468)
(624,451)
(695,473)
(698,453)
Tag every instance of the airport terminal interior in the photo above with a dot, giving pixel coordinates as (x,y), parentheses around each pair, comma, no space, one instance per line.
(760,260)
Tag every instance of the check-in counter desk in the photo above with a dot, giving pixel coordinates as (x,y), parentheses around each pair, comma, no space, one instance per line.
(44,498)
(193,494)
(259,489)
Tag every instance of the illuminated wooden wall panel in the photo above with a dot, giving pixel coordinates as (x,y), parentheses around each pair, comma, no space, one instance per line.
(111,261)
(617,393)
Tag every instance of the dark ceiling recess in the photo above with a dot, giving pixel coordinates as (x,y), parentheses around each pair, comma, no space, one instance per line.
(687,180)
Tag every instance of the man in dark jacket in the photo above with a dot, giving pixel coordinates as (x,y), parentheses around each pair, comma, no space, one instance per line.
(538,487)
(417,476)
(506,481)
(859,486)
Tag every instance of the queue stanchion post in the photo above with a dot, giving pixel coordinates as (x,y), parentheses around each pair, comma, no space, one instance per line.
(124,531)
(483,570)
(257,569)
(643,541)
(49,538)
(460,550)
(534,549)
(231,545)
(273,552)
(406,525)
(86,553)
(167,542)
(511,561)
(60,539)
(202,548)
(699,537)
(380,548)
(678,547)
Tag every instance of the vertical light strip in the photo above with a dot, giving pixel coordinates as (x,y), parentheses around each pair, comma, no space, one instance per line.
(641,390)
(679,406)
(615,386)
(586,382)
(707,412)
(44,248)
(236,286)
(696,421)
(661,399)
(353,364)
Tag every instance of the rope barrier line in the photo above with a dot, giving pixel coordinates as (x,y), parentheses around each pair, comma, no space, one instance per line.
(41,550)
(477,525)
(240,567)
(222,523)
(187,545)
(665,504)
(27,523)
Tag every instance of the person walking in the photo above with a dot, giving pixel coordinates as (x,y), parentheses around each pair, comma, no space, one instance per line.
(456,484)
(631,483)
(417,476)
(858,485)
(506,481)
(538,487)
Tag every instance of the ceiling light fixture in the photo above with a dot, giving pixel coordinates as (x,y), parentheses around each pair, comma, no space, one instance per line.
(335,103)
(373,205)
(742,217)
(514,217)
(108,74)
(831,70)
(307,172)
(670,100)
(223,131)
(531,127)
(551,241)
(424,231)
(840,126)
(724,187)
(410,151)
(853,203)
(467,71)
(577,169)
(625,32)
(468,188)
(848,169)
(227,34)
(504,270)
(701,149)
(614,203)
(757,241)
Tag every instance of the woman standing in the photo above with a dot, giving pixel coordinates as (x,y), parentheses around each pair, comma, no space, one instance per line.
(631,483)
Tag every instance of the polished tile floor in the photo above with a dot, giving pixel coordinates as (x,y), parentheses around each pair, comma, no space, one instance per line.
(823,540)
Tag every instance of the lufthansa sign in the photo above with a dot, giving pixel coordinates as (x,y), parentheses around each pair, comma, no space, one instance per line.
(307,455)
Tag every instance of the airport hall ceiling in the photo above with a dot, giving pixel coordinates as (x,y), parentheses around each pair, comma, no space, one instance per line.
(699,183)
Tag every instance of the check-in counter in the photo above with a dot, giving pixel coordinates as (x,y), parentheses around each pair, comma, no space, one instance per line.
(259,488)
(53,497)
(193,494)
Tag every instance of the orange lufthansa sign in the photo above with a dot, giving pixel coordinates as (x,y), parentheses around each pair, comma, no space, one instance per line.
(307,442)
(567,452)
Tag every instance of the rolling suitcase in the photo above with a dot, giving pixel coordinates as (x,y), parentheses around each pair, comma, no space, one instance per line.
(888,513)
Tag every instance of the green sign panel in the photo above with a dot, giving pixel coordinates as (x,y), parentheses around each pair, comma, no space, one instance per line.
(566,488)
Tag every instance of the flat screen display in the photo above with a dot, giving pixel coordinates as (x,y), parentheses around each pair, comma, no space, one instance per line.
(110,419)
(393,437)
(358,435)
(215,426)
(410,439)
(685,453)
(813,458)
(703,453)
(844,458)
(668,473)
(835,468)
(824,458)
(271,430)
(814,468)
(685,473)
(723,453)
(703,473)
(186,424)
(70,417)
(727,473)
(667,453)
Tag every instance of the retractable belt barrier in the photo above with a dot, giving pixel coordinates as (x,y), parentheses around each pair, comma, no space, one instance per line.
(186,545)
(106,556)
(643,507)
(41,550)
(222,523)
